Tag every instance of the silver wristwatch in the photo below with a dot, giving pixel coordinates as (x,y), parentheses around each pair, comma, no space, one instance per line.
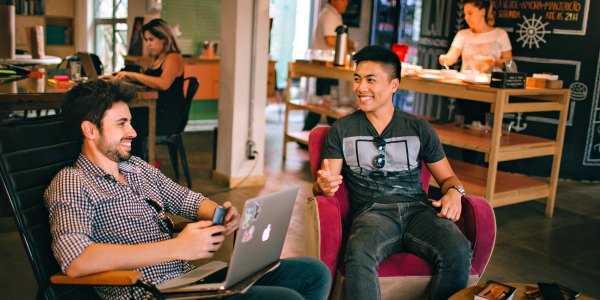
(460,189)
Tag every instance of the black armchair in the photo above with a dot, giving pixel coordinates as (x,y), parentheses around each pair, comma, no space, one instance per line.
(32,151)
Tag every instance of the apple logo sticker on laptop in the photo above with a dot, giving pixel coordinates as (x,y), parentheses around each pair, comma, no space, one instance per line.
(266,233)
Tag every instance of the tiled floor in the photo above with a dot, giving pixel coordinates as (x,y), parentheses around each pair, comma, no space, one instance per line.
(529,246)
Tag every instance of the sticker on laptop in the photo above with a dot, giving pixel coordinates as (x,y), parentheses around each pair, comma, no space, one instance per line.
(251,214)
(247,235)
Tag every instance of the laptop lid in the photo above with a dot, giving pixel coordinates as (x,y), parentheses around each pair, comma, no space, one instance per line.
(88,65)
(259,242)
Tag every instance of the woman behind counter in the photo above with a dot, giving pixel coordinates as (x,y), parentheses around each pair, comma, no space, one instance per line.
(482,46)
(165,74)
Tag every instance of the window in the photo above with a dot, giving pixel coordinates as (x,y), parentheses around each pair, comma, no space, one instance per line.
(110,24)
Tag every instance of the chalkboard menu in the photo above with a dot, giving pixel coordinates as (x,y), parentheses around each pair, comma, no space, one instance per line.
(533,17)
(547,36)
(559,37)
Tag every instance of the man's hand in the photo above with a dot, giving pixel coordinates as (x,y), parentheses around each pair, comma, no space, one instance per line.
(328,184)
(451,205)
(232,218)
(199,240)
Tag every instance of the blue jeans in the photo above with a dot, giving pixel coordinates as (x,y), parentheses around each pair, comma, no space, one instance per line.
(296,278)
(385,229)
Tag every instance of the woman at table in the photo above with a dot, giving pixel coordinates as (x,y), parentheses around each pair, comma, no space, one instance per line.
(165,74)
(482,46)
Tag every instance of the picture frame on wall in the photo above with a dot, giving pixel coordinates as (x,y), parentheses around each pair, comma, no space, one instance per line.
(352,15)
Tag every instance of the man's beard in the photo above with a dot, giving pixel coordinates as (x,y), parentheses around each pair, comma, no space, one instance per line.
(114,154)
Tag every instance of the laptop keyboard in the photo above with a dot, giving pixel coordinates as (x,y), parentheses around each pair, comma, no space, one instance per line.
(216,277)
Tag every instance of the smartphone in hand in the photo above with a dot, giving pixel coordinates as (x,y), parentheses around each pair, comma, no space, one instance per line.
(219,215)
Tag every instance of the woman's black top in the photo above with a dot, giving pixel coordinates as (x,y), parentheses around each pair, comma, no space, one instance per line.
(170,104)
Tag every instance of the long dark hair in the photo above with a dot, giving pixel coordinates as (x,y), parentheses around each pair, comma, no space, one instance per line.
(160,29)
(489,9)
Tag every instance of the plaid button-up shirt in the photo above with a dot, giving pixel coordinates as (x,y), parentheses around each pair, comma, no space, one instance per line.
(88,205)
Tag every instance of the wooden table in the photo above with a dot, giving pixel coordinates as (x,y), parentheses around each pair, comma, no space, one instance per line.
(469,293)
(34,93)
(499,188)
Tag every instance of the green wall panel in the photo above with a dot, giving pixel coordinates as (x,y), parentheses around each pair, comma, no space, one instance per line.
(198,21)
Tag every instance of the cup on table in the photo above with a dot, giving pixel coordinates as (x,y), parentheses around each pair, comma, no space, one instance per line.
(75,70)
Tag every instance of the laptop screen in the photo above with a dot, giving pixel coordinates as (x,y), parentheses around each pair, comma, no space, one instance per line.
(88,65)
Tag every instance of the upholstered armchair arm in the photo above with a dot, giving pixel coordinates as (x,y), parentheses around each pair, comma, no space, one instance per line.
(103,278)
(123,278)
(479,226)
(330,230)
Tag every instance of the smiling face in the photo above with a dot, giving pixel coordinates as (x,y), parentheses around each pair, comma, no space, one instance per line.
(474,16)
(373,87)
(155,45)
(116,133)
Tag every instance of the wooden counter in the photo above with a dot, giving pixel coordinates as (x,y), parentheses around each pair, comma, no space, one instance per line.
(206,70)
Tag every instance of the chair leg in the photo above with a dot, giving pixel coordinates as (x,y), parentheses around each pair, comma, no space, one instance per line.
(184,164)
(172,146)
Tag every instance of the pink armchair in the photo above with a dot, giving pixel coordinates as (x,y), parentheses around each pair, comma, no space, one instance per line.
(402,275)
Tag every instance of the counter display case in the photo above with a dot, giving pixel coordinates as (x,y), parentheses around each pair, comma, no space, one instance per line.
(498,187)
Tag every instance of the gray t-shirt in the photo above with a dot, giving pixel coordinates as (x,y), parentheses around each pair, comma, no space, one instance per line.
(408,141)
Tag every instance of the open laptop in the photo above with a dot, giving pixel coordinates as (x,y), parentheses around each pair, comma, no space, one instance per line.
(88,65)
(258,244)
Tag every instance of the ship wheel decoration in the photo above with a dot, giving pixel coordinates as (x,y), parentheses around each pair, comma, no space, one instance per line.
(532,31)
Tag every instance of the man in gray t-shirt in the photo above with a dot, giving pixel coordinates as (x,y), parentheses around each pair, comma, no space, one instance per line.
(379,151)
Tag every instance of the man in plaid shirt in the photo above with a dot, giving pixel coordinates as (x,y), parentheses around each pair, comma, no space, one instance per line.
(107,211)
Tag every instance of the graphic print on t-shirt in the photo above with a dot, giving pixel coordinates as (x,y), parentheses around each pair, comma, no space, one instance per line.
(401,153)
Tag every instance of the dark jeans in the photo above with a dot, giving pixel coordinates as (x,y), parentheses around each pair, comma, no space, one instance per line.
(385,229)
(323,88)
(296,278)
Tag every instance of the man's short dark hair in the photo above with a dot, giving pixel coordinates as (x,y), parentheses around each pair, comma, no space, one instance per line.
(385,56)
(89,101)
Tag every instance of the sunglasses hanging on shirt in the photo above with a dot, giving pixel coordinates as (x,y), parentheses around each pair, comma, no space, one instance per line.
(379,160)
(167,223)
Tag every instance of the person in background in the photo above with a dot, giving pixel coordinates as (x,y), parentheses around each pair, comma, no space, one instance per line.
(164,74)
(481,45)
(107,211)
(378,150)
(323,39)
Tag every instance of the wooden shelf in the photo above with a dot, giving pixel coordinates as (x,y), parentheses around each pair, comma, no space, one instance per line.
(512,145)
(58,20)
(323,108)
(298,136)
(509,188)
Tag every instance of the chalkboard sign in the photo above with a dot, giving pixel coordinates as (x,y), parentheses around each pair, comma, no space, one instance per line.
(531,19)
(555,36)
